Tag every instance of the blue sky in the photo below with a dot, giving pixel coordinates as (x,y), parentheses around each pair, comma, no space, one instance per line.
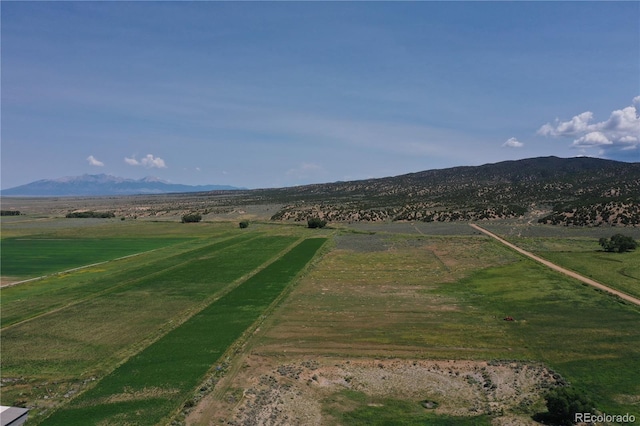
(286,93)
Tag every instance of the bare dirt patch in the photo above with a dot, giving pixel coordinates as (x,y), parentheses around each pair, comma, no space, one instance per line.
(268,391)
(8,281)
(146,393)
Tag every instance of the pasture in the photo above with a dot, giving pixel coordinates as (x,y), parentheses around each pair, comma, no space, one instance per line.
(429,299)
(578,249)
(388,319)
(583,255)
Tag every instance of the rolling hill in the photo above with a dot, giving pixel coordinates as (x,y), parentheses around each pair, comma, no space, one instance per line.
(577,191)
(572,191)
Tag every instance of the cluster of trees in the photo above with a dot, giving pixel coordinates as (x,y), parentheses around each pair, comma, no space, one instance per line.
(316,222)
(9,213)
(191,218)
(564,402)
(90,214)
(244,224)
(618,243)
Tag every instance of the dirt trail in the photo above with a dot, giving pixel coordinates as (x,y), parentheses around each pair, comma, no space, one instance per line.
(559,268)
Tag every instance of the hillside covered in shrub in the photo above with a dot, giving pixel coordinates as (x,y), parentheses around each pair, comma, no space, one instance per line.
(569,191)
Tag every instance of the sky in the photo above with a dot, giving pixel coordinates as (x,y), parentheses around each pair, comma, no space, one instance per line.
(275,94)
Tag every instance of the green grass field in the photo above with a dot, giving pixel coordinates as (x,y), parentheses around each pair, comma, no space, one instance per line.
(387,412)
(32,257)
(38,297)
(128,341)
(153,384)
(97,330)
(61,333)
(591,338)
(618,270)
(585,256)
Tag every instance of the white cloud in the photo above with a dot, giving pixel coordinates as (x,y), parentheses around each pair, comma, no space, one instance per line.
(620,132)
(592,139)
(131,161)
(149,161)
(624,121)
(575,126)
(94,161)
(513,143)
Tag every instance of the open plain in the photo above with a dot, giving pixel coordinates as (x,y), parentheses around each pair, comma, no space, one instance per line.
(326,213)
(385,323)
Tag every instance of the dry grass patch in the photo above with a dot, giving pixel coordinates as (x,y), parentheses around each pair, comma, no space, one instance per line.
(378,303)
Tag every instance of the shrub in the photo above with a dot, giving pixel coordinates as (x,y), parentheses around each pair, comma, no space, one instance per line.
(191,217)
(244,224)
(619,243)
(316,222)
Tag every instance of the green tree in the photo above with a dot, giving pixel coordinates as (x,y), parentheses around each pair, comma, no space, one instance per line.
(244,224)
(564,402)
(191,217)
(619,243)
(316,222)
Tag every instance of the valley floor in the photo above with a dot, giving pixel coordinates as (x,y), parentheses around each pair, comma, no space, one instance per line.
(397,322)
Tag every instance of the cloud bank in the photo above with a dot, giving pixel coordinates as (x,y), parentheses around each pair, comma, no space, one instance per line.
(149,162)
(94,161)
(621,132)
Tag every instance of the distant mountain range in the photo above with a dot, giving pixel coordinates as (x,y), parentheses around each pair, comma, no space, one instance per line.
(578,191)
(102,184)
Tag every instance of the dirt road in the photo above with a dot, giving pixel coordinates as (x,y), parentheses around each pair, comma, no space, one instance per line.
(559,268)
